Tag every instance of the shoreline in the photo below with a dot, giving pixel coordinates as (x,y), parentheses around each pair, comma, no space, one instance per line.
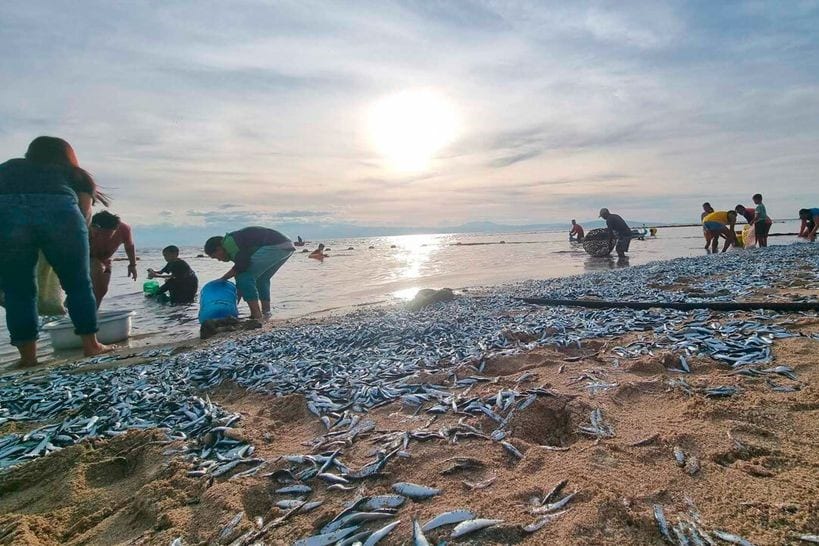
(482,349)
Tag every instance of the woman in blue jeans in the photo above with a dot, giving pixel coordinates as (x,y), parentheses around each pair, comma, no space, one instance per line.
(45,204)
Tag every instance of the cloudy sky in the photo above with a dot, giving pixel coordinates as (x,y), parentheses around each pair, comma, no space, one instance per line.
(196,113)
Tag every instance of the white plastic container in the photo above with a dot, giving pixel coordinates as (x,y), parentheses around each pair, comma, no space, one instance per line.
(113,326)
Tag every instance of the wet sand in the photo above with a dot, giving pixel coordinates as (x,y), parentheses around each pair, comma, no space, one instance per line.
(758,455)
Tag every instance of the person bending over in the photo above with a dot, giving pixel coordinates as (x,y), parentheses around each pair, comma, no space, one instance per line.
(181,283)
(619,230)
(576,233)
(810,220)
(720,224)
(108,232)
(257,254)
(45,203)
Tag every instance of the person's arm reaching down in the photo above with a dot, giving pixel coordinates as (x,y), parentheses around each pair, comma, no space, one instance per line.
(130,250)
(230,274)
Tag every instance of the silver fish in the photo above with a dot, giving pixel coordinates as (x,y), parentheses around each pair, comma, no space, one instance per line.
(415,491)
(298,489)
(551,507)
(381,533)
(470,526)
(448,518)
(418,538)
(542,521)
(733,539)
(327,538)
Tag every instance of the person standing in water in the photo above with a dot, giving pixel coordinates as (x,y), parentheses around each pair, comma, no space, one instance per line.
(706,210)
(45,204)
(762,222)
(257,254)
(576,233)
(619,230)
(108,232)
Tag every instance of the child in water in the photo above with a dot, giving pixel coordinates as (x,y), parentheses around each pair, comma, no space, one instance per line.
(318,254)
(181,282)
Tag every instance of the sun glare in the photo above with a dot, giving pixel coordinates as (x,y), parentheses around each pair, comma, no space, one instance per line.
(410,127)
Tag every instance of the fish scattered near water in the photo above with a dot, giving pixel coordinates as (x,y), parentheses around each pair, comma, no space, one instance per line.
(345,368)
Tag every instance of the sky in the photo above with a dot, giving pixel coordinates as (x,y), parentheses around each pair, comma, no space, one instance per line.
(200,116)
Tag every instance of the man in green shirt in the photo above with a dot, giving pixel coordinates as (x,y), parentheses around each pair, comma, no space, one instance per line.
(257,254)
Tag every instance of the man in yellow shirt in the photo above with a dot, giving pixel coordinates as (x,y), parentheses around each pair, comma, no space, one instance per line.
(718,224)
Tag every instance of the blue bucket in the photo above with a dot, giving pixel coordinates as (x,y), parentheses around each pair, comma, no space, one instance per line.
(217,299)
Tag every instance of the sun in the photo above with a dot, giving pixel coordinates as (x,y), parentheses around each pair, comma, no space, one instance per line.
(410,127)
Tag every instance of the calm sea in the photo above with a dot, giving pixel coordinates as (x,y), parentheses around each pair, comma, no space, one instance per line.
(392,270)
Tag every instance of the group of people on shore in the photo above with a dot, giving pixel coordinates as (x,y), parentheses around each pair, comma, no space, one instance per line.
(46,202)
(716,224)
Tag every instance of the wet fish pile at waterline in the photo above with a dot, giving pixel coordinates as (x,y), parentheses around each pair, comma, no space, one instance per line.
(358,362)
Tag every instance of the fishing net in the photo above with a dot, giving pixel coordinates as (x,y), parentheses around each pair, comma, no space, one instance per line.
(49,292)
(597,243)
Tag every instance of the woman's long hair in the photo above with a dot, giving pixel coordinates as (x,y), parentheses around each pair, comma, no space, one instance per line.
(46,150)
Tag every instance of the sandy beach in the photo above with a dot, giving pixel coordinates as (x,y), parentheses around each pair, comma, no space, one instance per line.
(490,401)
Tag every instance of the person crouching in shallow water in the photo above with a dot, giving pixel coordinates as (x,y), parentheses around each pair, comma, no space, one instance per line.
(181,283)
(318,253)
(718,224)
(45,203)
(576,233)
(108,232)
(810,222)
(257,254)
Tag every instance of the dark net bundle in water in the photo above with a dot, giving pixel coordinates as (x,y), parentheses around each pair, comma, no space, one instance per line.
(597,243)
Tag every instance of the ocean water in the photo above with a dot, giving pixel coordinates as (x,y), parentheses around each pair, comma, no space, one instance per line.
(393,270)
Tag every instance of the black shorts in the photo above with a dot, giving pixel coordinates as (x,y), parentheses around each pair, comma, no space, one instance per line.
(623,242)
(181,290)
(762,228)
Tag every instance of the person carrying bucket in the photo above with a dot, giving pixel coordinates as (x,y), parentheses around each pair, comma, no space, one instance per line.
(257,254)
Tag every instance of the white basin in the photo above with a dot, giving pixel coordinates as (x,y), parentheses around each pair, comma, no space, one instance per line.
(113,326)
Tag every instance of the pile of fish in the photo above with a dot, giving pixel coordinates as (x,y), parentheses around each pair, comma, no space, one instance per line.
(364,360)
(734,341)
(689,530)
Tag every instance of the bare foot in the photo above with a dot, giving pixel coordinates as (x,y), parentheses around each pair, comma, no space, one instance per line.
(99,349)
(27,363)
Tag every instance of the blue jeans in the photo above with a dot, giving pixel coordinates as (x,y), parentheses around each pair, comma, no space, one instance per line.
(51,223)
(254,283)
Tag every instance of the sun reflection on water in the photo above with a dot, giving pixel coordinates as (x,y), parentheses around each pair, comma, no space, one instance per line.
(413,253)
